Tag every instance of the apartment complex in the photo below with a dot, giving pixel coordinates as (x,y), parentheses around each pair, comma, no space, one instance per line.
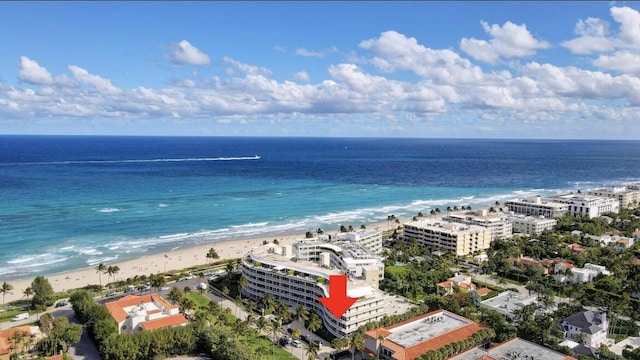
(498,223)
(370,239)
(412,338)
(299,274)
(530,225)
(536,206)
(626,197)
(587,205)
(459,239)
(135,313)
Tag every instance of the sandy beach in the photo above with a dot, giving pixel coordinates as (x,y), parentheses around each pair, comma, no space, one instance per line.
(157,263)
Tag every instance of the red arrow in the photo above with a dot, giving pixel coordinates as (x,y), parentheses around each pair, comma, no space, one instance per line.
(338,302)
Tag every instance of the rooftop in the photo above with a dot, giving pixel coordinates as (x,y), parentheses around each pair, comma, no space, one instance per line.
(508,301)
(414,337)
(446,226)
(514,349)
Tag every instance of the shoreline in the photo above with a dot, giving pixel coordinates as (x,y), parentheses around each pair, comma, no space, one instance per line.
(174,260)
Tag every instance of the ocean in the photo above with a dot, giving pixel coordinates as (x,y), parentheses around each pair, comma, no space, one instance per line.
(71,202)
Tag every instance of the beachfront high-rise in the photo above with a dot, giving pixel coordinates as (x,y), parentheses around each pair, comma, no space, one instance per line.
(299,274)
(441,235)
(497,222)
(536,206)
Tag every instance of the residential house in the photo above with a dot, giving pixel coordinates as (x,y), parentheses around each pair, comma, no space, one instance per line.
(135,313)
(589,327)
(508,302)
(8,338)
(460,280)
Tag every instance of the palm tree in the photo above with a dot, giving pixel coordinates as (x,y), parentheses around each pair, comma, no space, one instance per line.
(302,314)
(213,254)
(242,283)
(229,269)
(157,281)
(113,270)
(267,302)
(276,328)
(356,343)
(312,350)
(27,292)
(4,289)
(314,323)
(261,324)
(380,339)
(101,268)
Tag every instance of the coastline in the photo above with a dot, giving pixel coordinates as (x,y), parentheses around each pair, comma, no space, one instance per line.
(161,262)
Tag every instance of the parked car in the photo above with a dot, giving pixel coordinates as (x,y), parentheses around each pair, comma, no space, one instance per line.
(111,293)
(144,288)
(296,343)
(284,341)
(342,354)
(61,303)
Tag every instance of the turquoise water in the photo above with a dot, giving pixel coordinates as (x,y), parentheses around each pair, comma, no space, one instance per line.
(73,202)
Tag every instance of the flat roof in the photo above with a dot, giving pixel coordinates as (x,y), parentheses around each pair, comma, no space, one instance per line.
(415,332)
(508,301)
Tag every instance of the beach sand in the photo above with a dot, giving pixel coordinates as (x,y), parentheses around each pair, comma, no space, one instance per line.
(158,263)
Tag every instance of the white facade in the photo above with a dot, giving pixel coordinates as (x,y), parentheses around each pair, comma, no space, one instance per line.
(592,326)
(536,206)
(531,224)
(370,239)
(442,235)
(584,275)
(619,243)
(498,224)
(627,199)
(137,313)
(299,275)
(587,206)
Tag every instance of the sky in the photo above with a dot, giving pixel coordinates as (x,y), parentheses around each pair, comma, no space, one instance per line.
(543,70)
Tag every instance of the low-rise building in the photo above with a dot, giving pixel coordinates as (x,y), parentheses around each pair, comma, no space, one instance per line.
(566,272)
(536,206)
(299,274)
(516,348)
(135,313)
(412,338)
(8,345)
(619,243)
(586,205)
(460,280)
(589,327)
(530,225)
(508,302)
(627,198)
(498,223)
(440,235)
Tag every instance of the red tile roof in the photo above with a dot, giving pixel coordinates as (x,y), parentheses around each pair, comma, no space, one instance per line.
(445,284)
(5,337)
(402,353)
(483,291)
(167,321)
(56,357)
(116,308)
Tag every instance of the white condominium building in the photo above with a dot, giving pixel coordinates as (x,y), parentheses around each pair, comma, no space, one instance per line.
(299,274)
(627,198)
(370,239)
(460,239)
(497,223)
(586,205)
(531,224)
(536,206)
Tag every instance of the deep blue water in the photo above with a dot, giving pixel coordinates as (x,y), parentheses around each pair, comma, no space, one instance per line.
(73,201)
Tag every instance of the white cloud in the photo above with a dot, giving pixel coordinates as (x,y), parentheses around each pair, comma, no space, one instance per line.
(302,76)
(101,84)
(311,53)
(245,68)
(185,53)
(509,40)
(30,71)
(621,61)
(594,37)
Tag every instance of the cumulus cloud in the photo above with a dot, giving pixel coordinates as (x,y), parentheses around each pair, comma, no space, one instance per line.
(621,61)
(245,68)
(99,83)
(509,40)
(302,76)
(594,34)
(185,53)
(30,71)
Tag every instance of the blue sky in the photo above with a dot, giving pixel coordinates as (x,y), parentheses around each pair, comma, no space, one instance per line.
(397,69)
